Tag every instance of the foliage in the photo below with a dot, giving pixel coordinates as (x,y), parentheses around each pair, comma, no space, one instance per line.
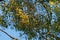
(30,23)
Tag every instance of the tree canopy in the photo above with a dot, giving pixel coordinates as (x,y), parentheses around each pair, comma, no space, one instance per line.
(34,17)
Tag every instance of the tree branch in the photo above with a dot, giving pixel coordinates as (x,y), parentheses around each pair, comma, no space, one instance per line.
(8,34)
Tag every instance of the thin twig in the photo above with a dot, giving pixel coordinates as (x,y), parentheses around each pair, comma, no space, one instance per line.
(7,34)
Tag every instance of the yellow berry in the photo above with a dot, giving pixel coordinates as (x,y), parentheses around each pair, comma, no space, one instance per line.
(51,3)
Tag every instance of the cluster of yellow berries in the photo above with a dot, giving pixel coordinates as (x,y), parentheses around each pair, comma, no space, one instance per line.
(12,1)
(24,17)
(51,3)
